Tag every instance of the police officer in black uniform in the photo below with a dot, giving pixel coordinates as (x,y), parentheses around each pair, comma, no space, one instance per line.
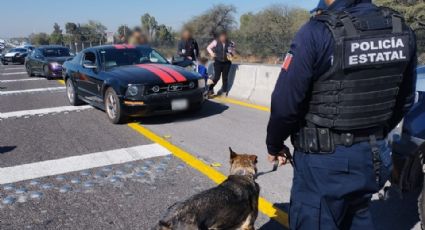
(348,79)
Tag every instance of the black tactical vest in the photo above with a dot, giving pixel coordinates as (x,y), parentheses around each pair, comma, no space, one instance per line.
(370,56)
(221,51)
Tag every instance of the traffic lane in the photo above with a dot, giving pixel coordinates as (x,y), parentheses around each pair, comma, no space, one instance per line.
(30,101)
(126,196)
(53,136)
(26,83)
(209,134)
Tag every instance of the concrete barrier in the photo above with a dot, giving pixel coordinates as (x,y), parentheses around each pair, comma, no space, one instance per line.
(252,82)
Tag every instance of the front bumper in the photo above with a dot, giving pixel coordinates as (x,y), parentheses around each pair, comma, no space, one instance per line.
(12,59)
(161,103)
(57,72)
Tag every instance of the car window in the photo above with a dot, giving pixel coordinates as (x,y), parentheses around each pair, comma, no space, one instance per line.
(56,52)
(131,56)
(38,53)
(20,50)
(89,56)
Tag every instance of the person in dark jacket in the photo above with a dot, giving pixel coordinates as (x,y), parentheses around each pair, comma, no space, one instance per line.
(348,79)
(222,50)
(188,47)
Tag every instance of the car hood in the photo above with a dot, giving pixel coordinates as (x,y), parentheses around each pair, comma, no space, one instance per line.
(152,74)
(10,54)
(59,60)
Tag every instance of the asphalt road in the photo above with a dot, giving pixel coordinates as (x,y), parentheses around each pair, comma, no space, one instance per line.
(127,193)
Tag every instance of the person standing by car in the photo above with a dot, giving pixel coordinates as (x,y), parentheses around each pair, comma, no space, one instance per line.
(137,37)
(340,92)
(188,47)
(222,50)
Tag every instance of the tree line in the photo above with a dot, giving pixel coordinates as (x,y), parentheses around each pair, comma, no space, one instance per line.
(263,34)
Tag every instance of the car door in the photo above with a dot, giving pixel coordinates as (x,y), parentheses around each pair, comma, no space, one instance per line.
(37,61)
(87,75)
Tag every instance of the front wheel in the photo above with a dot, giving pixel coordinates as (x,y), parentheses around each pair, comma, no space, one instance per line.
(71,93)
(29,70)
(113,107)
(46,72)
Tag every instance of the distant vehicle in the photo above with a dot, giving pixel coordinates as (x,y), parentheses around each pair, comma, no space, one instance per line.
(413,127)
(47,61)
(29,47)
(16,55)
(408,162)
(130,80)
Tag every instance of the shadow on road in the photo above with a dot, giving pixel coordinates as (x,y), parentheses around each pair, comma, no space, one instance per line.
(396,212)
(273,225)
(6,149)
(210,108)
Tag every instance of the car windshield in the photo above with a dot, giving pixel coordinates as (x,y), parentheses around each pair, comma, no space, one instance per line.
(20,50)
(133,56)
(56,52)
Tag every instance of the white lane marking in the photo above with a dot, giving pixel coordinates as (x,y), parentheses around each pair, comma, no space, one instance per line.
(43,111)
(32,90)
(77,163)
(15,73)
(15,68)
(24,79)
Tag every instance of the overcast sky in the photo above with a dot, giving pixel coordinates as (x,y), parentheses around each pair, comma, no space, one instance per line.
(22,17)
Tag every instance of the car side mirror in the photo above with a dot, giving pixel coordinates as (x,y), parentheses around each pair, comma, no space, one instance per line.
(89,65)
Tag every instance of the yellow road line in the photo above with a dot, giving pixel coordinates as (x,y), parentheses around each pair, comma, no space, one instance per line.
(61,82)
(264,206)
(242,103)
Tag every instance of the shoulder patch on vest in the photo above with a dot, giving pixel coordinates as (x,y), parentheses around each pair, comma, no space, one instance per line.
(287,61)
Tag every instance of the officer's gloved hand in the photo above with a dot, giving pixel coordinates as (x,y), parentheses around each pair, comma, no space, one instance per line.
(284,156)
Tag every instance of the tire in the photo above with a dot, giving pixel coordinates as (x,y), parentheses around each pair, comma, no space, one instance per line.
(421,206)
(113,107)
(5,63)
(46,72)
(71,93)
(29,70)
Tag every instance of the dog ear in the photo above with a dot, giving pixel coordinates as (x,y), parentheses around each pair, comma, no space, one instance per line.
(233,155)
(253,158)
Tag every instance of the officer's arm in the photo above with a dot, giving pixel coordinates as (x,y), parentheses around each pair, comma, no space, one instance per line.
(291,89)
(406,95)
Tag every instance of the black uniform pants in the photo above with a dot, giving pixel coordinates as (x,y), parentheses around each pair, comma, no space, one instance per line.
(221,69)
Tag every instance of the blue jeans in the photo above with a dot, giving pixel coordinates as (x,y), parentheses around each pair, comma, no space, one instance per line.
(333,191)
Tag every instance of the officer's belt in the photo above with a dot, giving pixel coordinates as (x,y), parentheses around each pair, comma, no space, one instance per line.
(324,140)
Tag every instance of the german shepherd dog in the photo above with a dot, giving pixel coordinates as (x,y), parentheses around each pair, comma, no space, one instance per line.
(231,205)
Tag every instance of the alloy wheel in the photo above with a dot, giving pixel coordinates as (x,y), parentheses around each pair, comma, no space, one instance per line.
(111,106)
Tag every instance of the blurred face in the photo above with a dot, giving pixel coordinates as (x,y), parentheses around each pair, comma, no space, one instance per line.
(186,34)
(329,2)
(222,37)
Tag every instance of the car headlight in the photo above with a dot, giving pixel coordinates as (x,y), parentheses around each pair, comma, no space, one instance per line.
(132,90)
(201,83)
(55,65)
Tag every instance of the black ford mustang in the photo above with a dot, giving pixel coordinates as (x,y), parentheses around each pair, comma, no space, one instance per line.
(130,80)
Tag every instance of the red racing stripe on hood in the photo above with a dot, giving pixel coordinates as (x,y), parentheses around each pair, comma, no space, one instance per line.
(165,77)
(124,46)
(178,76)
